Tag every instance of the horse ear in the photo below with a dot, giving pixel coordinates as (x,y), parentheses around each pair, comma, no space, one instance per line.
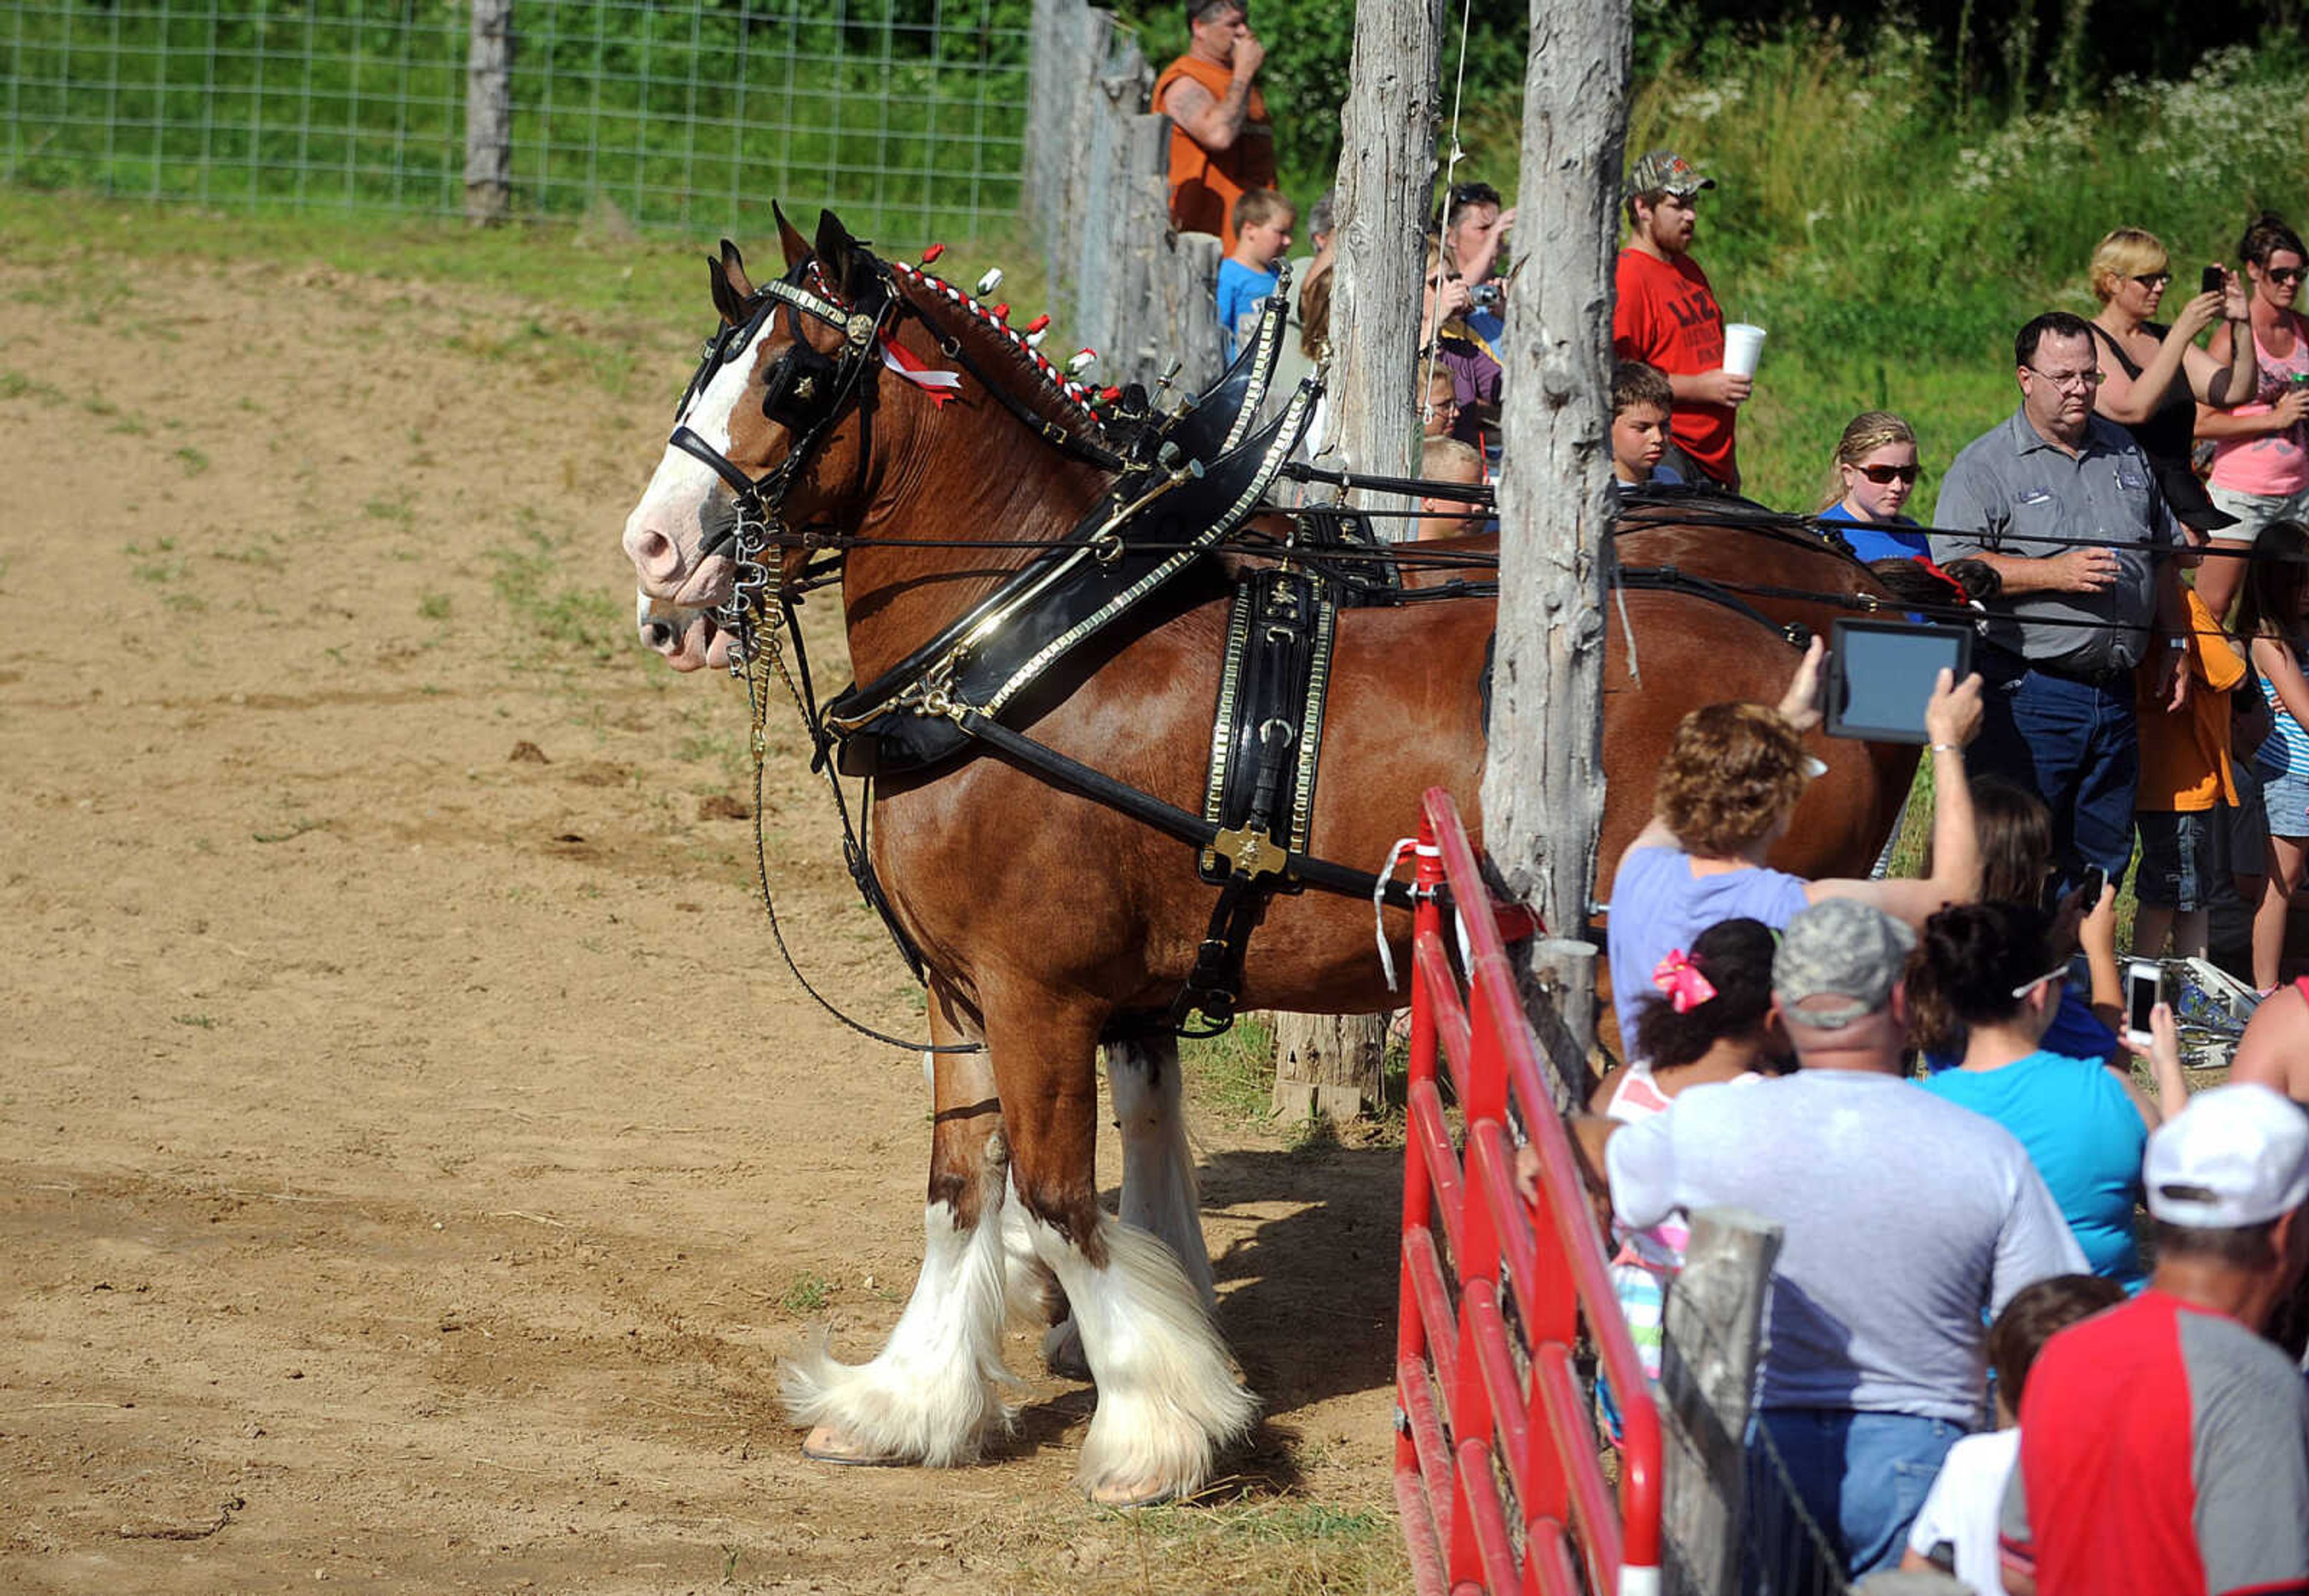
(733,267)
(838,254)
(795,246)
(726,300)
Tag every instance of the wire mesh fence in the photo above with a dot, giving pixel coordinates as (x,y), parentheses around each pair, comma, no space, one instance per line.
(908,116)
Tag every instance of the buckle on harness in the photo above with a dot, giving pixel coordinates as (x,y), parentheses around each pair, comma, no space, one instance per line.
(1252,854)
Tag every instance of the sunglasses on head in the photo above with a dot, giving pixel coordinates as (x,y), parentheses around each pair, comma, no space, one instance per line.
(1880,474)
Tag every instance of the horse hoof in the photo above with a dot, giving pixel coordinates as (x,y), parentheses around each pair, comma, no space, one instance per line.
(1062,1352)
(1143,1493)
(826,1444)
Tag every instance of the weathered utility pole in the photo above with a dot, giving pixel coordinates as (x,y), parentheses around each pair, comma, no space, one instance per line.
(1386,170)
(1543,786)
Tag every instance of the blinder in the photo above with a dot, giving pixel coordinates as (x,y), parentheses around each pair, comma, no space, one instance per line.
(800,389)
(802,392)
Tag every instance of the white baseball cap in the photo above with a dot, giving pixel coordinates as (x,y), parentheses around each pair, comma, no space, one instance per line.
(2236,1156)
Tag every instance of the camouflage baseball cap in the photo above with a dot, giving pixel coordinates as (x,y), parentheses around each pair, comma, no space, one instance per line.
(1839,948)
(1663,171)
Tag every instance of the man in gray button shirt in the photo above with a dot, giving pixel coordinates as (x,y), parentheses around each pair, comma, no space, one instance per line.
(2059,705)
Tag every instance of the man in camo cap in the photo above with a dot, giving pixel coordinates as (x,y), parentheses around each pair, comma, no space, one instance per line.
(1904,1217)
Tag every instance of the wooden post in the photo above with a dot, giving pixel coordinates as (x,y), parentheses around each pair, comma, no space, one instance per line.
(1711,1345)
(489,114)
(1386,170)
(1543,797)
(1924,1582)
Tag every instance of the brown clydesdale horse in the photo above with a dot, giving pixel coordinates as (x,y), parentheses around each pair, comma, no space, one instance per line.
(1043,916)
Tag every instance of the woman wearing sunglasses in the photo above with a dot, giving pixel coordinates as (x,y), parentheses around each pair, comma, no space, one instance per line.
(1873,474)
(2153,376)
(1989,969)
(2261,448)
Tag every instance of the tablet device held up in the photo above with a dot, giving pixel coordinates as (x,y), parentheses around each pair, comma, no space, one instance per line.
(1881,675)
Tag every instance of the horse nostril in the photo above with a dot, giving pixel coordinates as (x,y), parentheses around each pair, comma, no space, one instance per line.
(658,634)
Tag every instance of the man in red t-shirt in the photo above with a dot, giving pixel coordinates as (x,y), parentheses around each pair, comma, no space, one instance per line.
(2164,1444)
(1666,314)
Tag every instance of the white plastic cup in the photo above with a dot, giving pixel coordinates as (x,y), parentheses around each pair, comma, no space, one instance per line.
(1744,345)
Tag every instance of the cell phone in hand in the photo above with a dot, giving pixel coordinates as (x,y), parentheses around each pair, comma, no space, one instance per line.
(2144,989)
(2211,282)
(2088,886)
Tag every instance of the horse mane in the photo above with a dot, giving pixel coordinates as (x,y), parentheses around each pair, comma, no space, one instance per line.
(998,349)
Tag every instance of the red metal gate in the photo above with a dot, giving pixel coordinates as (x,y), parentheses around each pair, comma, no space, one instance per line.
(1497,1469)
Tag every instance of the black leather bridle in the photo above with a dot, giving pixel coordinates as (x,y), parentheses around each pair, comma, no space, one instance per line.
(805,392)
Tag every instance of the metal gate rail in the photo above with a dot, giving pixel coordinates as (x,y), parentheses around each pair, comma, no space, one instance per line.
(1498,1475)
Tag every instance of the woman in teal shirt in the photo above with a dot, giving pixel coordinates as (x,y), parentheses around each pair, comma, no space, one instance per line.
(1990,968)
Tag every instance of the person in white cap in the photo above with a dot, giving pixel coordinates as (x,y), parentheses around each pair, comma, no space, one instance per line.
(1905,1218)
(2164,1445)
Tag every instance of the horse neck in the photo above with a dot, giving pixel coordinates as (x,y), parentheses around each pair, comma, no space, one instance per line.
(966,470)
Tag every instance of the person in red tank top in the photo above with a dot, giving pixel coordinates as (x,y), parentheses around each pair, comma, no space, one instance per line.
(1665,313)
(1220,140)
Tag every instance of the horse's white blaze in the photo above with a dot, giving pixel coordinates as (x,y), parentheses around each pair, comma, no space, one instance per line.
(680,484)
(933,1393)
(1158,1169)
(1167,1398)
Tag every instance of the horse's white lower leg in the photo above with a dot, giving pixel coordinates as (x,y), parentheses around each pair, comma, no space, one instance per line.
(1158,1168)
(1158,1177)
(933,1393)
(1167,1396)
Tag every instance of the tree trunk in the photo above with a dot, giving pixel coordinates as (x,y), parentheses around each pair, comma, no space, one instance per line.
(1387,169)
(489,113)
(1543,796)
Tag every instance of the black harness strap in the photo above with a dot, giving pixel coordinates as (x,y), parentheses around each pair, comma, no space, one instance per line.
(1047,761)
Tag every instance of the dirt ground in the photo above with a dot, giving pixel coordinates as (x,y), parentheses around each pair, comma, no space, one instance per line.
(413,1159)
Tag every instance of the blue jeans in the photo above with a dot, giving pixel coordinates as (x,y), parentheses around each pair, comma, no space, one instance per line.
(1862,1477)
(2076,745)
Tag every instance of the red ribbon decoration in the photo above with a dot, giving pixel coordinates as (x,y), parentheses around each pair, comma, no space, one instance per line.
(940,385)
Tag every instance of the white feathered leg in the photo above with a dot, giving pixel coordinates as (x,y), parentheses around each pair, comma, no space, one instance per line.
(934,1392)
(1158,1177)
(1167,1396)
(1158,1168)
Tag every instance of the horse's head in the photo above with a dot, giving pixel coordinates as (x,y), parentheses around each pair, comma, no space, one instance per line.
(768,437)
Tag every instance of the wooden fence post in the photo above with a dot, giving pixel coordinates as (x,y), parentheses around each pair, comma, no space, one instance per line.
(1924,1582)
(489,113)
(1387,168)
(1543,785)
(1709,1356)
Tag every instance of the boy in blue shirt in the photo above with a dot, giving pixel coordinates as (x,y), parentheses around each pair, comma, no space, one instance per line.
(1642,404)
(1262,229)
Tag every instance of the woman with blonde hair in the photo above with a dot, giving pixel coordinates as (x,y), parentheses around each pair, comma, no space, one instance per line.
(1870,479)
(2153,376)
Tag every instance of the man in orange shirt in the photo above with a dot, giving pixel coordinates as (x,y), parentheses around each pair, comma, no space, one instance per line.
(1665,314)
(1220,140)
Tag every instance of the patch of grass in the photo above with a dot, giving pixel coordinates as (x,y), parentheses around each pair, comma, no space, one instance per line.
(206,1022)
(396,508)
(807,1293)
(434,606)
(255,554)
(192,460)
(1234,1072)
(571,619)
(15,385)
